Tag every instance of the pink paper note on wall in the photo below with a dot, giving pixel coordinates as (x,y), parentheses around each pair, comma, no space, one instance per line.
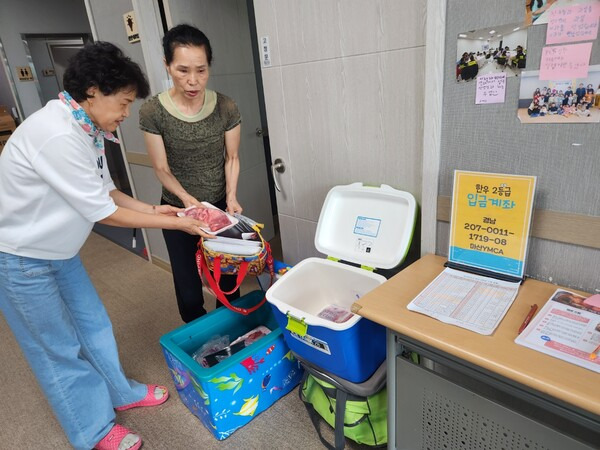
(562,62)
(574,23)
(491,88)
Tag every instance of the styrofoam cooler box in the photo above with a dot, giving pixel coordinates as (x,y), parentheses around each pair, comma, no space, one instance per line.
(369,226)
(230,394)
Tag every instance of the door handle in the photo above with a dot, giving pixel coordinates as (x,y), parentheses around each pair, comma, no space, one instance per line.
(277,167)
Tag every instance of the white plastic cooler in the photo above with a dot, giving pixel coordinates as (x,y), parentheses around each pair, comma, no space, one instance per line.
(369,226)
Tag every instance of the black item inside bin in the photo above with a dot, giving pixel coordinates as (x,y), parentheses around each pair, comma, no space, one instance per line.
(216,357)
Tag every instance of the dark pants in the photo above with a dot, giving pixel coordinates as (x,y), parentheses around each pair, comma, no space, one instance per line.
(182,249)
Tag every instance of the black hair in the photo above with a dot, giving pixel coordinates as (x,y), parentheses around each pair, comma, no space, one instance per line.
(103,65)
(185,36)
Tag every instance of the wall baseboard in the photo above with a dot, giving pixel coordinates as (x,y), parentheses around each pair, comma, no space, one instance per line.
(157,261)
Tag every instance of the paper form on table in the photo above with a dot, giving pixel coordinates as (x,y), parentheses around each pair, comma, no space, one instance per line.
(470,301)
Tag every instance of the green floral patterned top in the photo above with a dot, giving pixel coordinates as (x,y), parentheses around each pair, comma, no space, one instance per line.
(195,145)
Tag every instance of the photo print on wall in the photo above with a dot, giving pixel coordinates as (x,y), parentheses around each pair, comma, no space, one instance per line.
(499,49)
(537,11)
(575,100)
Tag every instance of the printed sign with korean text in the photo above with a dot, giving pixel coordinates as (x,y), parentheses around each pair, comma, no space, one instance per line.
(491,216)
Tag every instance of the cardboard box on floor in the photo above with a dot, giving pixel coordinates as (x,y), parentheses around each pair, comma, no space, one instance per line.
(7,126)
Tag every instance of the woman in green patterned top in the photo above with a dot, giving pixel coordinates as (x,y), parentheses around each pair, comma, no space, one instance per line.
(192,135)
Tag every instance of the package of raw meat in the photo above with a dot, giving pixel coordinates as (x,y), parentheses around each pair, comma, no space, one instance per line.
(335,314)
(216,219)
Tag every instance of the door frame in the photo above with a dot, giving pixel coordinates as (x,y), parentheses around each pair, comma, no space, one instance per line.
(11,83)
(65,43)
(432,129)
(263,110)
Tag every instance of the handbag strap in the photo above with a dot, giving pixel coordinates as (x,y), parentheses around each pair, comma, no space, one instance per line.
(242,270)
(241,274)
(213,282)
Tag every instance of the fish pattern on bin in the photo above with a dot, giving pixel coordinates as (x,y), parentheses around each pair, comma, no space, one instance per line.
(239,393)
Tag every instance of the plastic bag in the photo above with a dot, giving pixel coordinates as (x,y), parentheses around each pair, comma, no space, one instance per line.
(252,336)
(214,345)
(243,229)
(218,348)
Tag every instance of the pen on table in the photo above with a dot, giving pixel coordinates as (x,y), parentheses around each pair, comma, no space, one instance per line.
(528,318)
(594,354)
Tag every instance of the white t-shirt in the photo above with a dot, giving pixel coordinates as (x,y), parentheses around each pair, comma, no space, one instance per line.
(54,184)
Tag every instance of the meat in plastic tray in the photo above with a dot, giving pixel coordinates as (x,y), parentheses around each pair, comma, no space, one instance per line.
(335,314)
(216,219)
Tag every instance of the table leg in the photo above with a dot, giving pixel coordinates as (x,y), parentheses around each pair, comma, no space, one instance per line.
(391,388)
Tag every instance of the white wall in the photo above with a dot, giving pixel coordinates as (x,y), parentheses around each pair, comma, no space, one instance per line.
(36,17)
(344,98)
(513,39)
(471,45)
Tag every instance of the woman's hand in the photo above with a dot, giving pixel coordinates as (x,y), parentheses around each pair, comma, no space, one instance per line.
(189,200)
(192,226)
(233,207)
(166,210)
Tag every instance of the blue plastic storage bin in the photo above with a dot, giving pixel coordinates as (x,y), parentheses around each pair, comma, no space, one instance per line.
(358,351)
(369,226)
(352,350)
(230,394)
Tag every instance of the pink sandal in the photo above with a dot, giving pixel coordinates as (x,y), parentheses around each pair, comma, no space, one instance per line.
(114,437)
(149,400)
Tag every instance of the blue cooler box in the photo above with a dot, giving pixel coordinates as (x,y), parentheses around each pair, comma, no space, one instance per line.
(369,226)
(228,395)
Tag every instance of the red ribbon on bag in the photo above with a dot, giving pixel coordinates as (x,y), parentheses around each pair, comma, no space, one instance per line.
(213,282)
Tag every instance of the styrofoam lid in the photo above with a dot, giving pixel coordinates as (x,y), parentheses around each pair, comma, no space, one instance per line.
(371,226)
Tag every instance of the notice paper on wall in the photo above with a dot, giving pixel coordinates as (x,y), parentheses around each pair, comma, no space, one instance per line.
(573,24)
(470,301)
(568,328)
(562,62)
(491,88)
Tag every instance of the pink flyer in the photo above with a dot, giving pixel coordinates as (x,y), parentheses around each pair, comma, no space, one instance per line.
(491,88)
(573,24)
(562,62)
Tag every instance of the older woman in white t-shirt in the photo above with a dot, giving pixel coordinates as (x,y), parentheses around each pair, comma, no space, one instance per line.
(54,184)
